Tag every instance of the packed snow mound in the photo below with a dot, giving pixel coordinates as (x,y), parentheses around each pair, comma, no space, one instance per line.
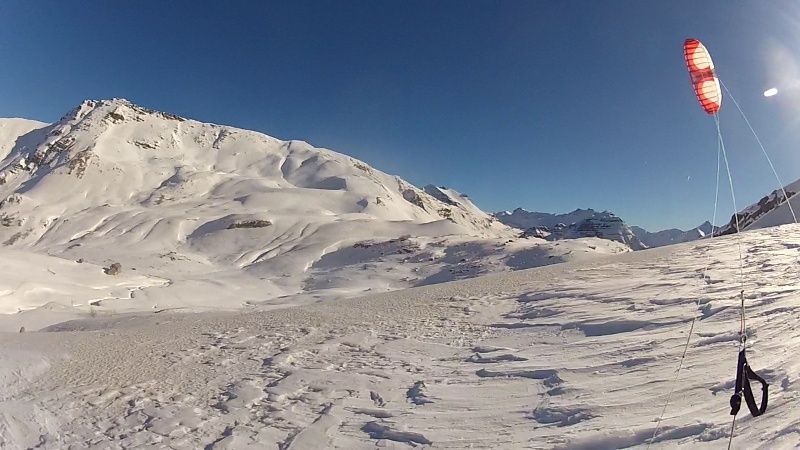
(580,223)
(772,210)
(230,217)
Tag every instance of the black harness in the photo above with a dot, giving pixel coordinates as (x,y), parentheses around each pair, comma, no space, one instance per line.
(743,376)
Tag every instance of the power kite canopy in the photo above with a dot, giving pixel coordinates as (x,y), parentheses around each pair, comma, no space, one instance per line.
(708,88)
(704,79)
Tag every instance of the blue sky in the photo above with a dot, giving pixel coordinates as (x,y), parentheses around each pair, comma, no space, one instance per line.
(547,105)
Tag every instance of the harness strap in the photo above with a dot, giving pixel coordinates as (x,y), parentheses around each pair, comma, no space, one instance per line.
(744,374)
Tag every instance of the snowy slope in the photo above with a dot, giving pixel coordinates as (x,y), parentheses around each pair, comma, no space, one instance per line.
(19,133)
(580,355)
(33,280)
(224,211)
(770,211)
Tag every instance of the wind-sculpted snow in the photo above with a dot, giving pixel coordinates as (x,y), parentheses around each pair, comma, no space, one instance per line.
(586,360)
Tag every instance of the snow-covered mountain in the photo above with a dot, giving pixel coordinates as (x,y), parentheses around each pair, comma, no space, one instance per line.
(580,223)
(523,219)
(588,222)
(114,153)
(232,216)
(672,235)
(772,210)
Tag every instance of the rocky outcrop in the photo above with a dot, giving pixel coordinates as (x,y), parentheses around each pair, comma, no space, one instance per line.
(771,204)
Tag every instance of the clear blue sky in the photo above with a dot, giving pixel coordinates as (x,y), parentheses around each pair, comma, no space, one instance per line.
(548,105)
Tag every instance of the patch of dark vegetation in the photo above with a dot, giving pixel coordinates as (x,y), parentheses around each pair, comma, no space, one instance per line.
(256,223)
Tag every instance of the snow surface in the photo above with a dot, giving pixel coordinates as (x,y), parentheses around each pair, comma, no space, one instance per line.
(578,355)
(273,294)
(29,280)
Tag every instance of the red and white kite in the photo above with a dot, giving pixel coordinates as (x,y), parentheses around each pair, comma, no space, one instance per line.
(701,72)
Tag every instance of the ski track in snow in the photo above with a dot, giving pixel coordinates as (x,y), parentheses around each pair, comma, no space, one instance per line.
(571,356)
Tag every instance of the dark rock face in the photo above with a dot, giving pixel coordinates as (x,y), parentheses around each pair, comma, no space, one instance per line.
(250,224)
(751,214)
(113,269)
(412,197)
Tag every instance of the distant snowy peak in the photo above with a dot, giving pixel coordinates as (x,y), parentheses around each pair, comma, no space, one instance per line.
(115,179)
(588,222)
(523,219)
(124,153)
(576,224)
(772,210)
(672,235)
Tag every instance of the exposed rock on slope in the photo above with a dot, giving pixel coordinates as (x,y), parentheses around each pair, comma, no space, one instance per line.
(772,210)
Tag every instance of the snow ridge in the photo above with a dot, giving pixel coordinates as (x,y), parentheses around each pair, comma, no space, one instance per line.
(771,210)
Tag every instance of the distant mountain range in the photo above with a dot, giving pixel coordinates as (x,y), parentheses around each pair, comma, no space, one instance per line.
(672,235)
(771,210)
(591,223)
